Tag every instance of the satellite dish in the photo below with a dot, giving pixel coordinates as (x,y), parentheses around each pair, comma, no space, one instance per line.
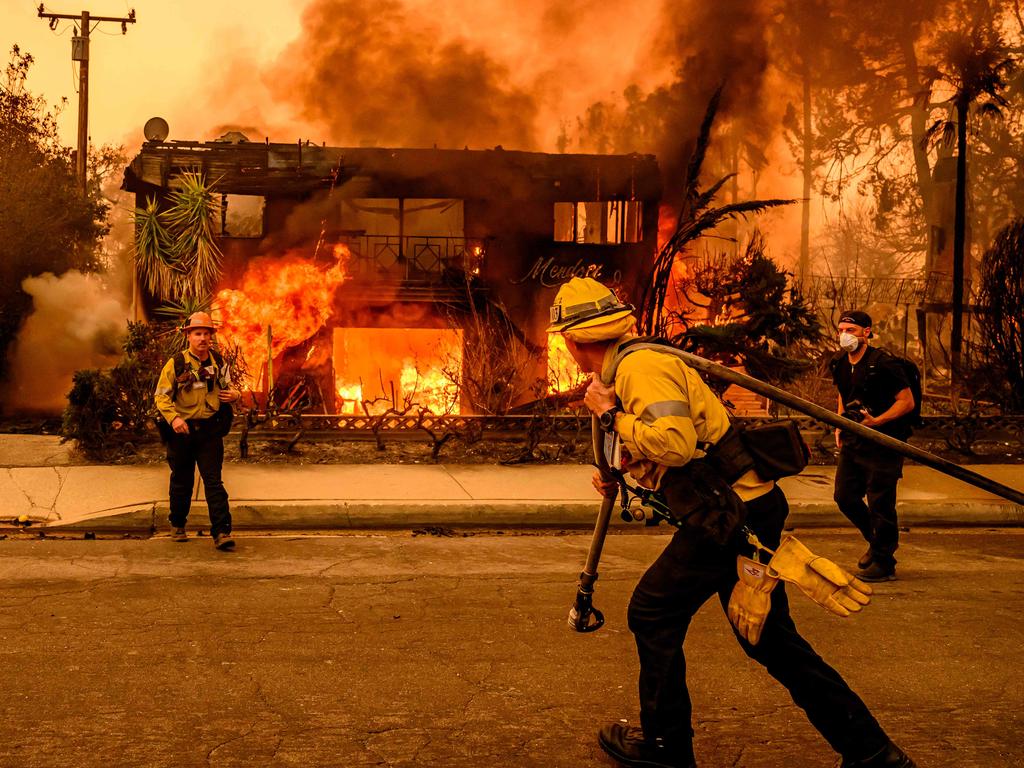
(156,129)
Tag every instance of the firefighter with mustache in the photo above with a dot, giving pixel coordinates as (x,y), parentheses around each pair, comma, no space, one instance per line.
(193,397)
(669,424)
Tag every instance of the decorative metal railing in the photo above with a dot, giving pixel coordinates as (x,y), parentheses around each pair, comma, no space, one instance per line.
(419,259)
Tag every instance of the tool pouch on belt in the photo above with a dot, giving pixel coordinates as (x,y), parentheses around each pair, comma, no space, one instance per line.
(774,450)
(164,429)
(777,449)
(223,418)
(700,498)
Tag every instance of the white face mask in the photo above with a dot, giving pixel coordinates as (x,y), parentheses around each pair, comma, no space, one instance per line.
(848,342)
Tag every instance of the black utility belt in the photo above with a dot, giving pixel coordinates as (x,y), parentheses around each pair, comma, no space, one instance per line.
(774,450)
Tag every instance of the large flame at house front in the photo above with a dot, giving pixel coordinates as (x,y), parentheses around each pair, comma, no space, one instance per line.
(285,302)
(291,295)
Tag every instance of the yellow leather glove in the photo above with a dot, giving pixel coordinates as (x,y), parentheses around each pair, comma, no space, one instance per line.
(751,598)
(819,578)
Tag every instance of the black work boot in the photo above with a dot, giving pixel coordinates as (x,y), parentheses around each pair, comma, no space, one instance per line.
(890,756)
(865,559)
(629,747)
(877,572)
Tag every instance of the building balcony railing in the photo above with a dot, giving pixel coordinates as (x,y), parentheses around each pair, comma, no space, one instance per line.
(410,259)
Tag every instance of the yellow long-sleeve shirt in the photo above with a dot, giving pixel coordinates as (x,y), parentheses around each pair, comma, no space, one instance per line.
(668,413)
(197,402)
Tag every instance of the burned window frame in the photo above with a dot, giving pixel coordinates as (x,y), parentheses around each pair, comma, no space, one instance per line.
(624,234)
(222,228)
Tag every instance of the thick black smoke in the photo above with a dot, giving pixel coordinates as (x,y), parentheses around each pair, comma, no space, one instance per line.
(370,72)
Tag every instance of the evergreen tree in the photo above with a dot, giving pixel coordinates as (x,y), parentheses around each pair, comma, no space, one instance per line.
(1002,307)
(753,315)
(46,224)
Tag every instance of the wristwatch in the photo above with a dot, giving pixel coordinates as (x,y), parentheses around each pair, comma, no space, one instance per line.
(607,419)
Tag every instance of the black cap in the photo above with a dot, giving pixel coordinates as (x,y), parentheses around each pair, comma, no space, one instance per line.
(855,316)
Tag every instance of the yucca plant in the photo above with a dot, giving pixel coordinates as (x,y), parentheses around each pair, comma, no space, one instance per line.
(176,252)
(153,259)
(190,218)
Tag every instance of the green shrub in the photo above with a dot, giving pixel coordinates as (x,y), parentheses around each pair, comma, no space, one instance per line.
(111,410)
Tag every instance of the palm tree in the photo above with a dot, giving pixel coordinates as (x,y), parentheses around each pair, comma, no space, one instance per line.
(975,62)
(696,217)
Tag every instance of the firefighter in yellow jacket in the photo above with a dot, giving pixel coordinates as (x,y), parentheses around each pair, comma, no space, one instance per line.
(668,423)
(193,396)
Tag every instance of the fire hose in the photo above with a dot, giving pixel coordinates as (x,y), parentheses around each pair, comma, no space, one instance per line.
(584,617)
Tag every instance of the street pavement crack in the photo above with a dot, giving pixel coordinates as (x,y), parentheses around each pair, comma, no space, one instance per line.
(332,566)
(209,755)
(61,479)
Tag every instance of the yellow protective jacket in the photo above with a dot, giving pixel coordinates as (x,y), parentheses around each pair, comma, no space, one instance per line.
(668,413)
(190,403)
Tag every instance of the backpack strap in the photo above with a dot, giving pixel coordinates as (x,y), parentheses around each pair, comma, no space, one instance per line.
(833,364)
(180,367)
(654,343)
(222,368)
(875,354)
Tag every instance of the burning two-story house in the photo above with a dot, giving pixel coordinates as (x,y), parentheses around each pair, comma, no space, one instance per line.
(369,274)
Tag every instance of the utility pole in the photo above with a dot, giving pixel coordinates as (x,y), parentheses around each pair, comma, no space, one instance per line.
(80,53)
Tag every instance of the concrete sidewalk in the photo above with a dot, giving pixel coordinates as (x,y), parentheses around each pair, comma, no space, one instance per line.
(47,491)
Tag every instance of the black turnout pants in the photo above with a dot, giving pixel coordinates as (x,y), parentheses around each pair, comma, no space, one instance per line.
(689,571)
(871,472)
(203,446)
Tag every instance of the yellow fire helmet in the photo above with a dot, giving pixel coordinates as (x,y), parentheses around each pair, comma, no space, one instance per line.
(198,320)
(584,303)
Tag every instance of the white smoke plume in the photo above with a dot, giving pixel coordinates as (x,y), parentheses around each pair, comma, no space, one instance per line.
(75,323)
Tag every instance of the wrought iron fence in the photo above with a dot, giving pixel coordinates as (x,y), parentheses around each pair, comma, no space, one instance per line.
(858,291)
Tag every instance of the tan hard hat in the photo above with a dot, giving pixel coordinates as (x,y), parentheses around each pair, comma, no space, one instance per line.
(199,320)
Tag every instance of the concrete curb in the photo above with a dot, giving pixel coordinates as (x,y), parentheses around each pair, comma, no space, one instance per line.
(344,515)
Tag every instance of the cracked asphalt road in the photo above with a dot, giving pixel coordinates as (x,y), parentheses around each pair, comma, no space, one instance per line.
(395,650)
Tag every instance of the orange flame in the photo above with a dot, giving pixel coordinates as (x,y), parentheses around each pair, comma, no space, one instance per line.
(399,368)
(350,398)
(563,372)
(430,389)
(291,294)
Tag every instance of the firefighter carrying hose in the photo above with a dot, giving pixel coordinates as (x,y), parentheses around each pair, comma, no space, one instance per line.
(667,429)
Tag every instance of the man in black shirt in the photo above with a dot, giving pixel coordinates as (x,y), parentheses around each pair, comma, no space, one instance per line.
(874,390)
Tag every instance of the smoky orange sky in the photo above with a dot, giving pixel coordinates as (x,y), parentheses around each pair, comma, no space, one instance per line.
(450,73)
(203,64)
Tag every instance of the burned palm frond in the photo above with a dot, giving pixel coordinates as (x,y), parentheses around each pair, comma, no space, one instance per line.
(190,217)
(153,259)
(695,219)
